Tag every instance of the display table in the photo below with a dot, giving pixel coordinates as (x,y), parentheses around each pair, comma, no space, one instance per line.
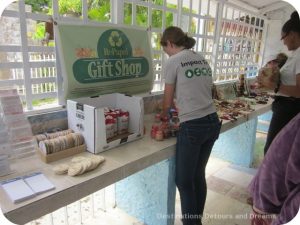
(121,162)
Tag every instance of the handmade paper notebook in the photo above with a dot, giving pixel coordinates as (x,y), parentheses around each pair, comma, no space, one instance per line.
(17,189)
(38,182)
(22,188)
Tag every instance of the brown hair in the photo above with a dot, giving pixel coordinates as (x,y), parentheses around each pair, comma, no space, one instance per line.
(176,36)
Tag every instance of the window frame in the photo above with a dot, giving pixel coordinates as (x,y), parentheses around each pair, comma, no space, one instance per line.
(214,55)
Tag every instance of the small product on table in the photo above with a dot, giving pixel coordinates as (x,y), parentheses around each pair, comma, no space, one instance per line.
(79,165)
(165,127)
(123,121)
(174,122)
(159,136)
(116,122)
(155,126)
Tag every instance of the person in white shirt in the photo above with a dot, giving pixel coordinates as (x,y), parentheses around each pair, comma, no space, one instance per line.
(286,104)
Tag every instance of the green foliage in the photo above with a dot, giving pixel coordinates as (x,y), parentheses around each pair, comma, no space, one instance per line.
(127,13)
(99,11)
(73,7)
(169,19)
(39,5)
(169,15)
(39,31)
(157,2)
(97,3)
(171,6)
(157,18)
(141,15)
(44,101)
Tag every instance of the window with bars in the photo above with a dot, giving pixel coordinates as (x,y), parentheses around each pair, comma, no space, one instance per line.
(240,44)
(230,38)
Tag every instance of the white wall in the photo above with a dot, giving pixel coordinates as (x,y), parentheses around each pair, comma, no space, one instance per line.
(273,43)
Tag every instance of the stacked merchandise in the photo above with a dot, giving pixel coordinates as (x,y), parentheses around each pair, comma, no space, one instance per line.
(79,165)
(50,143)
(232,109)
(166,127)
(16,135)
(4,149)
(116,122)
(59,144)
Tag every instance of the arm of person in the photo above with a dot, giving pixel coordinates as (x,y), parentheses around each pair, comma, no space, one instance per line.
(168,98)
(289,90)
(293,91)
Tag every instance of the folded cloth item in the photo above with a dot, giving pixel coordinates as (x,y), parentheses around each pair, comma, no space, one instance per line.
(275,189)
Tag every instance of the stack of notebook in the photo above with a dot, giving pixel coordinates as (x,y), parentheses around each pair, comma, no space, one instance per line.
(22,188)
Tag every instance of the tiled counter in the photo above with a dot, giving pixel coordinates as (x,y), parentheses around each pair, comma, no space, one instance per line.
(157,198)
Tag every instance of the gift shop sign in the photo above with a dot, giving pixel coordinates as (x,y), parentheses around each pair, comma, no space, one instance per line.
(98,60)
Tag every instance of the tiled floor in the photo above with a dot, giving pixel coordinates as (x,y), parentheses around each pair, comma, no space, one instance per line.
(226,196)
(225,204)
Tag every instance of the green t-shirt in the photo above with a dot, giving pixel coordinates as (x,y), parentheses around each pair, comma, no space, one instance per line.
(192,76)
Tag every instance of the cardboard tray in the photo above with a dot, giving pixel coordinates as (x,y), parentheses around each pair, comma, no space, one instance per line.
(62,154)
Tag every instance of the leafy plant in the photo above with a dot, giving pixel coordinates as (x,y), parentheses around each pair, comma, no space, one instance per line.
(99,10)
(39,32)
(44,101)
(101,13)
(127,13)
(39,5)
(157,18)
(73,7)
(141,16)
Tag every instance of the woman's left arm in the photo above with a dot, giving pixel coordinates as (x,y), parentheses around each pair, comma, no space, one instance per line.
(293,91)
(168,98)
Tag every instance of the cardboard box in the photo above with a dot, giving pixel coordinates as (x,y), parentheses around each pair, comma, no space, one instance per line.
(86,115)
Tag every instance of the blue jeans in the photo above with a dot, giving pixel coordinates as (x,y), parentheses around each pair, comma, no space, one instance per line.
(194,144)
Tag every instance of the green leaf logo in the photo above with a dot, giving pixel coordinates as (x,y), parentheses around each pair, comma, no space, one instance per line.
(113,62)
(189,73)
(114,39)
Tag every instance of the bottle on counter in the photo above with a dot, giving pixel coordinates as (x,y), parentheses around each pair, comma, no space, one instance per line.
(174,122)
(155,126)
(159,135)
(241,86)
(165,127)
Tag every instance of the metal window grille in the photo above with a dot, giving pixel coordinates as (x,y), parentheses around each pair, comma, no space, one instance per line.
(229,37)
(240,43)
